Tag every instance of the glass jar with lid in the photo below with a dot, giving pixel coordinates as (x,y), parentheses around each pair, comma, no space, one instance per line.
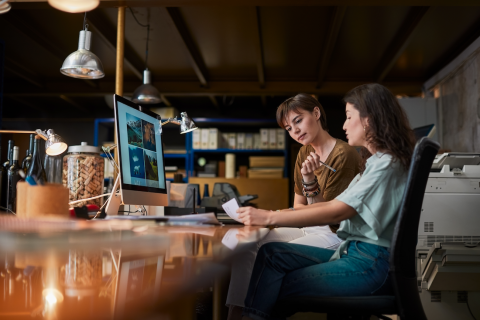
(83,174)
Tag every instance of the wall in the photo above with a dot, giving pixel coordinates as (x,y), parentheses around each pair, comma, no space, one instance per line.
(421,112)
(458,98)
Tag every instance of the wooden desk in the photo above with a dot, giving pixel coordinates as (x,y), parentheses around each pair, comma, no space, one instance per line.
(272,193)
(139,272)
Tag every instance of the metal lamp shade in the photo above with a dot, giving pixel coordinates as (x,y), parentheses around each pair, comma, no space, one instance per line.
(54,144)
(74,6)
(187,123)
(83,64)
(4,7)
(146,93)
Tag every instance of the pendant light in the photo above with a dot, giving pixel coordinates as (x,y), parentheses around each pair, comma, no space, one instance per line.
(146,93)
(83,64)
(74,6)
(4,6)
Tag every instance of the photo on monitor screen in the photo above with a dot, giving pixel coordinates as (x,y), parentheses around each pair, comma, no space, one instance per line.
(137,167)
(134,130)
(151,169)
(149,136)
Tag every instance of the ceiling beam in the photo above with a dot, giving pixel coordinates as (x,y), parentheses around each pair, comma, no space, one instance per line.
(41,4)
(258,42)
(165,100)
(28,104)
(331,40)
(22,72)
(455,50)
(73,103)
(193,53)
(213,100)
(108,33)
(226,88)
(33,34)
(400,42)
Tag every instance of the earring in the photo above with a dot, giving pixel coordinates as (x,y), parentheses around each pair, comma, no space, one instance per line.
(364,128)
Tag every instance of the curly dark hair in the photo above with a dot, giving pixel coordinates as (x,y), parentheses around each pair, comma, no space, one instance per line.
(388,127)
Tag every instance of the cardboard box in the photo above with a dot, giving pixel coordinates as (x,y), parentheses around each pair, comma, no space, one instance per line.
(265,173)
(266,162)
(50,200)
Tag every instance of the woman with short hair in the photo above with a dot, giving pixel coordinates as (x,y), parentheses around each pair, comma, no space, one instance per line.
(304,119)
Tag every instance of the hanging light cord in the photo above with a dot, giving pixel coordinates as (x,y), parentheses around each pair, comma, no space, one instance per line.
(148,34)
(85,25)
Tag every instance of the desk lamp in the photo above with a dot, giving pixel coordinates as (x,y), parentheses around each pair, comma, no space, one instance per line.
(186,123)
(54,144)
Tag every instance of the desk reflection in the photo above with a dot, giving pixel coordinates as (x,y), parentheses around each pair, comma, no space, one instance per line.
(120,274)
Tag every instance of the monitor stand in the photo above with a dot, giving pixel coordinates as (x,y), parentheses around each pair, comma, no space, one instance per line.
(115,199)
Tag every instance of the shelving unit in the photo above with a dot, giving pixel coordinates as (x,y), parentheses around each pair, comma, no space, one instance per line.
(189,155)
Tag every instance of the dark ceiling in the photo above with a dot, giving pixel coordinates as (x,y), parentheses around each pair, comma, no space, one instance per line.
(229,61)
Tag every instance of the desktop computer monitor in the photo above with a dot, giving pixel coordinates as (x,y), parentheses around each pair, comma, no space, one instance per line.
(140,154)
(424,131)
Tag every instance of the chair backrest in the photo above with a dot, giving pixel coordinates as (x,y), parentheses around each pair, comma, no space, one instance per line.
(404,241)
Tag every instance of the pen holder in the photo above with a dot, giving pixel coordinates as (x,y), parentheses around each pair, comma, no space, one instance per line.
(39,201)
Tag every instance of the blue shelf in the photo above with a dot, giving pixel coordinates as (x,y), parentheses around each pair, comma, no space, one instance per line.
(237,151)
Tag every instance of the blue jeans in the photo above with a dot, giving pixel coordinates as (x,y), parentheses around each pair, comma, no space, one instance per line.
(291,270)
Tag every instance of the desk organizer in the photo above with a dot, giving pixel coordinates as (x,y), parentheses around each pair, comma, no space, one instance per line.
(40,201)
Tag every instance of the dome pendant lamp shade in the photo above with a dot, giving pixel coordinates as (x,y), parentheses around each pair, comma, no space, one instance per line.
(146,93)
(74,6)
(4,6)
(83,64)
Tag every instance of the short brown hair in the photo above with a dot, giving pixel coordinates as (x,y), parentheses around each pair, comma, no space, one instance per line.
(301,101)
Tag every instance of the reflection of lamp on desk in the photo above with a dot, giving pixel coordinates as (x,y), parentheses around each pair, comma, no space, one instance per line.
(54,144)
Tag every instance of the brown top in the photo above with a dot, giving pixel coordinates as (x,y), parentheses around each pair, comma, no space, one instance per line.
(343,158)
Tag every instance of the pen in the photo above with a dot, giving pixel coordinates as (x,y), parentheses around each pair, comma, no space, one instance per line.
(326,165)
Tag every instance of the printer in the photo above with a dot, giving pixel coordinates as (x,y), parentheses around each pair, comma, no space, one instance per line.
(448,248)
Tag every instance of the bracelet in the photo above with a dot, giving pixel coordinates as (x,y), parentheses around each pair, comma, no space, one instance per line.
(311,188)
(310,183)
(292,208)
(309,194)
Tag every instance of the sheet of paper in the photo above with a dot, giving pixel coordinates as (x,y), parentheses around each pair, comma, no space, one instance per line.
(230,239)
(230,208)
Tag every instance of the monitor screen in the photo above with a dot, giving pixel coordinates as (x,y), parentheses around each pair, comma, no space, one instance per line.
(140,151)
(424,131)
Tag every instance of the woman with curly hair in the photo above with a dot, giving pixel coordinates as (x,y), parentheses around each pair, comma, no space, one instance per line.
(367,210)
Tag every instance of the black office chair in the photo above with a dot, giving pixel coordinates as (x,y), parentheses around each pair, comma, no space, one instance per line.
(405,302)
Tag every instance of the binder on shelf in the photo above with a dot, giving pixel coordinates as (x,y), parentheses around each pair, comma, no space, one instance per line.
(213,138)
(241,140)
(224,140)
(280,139)
(257,142)
(249,141)
(266,161)
(196,139)
(232,140)
(272,138)
(264,135)
(205,134)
